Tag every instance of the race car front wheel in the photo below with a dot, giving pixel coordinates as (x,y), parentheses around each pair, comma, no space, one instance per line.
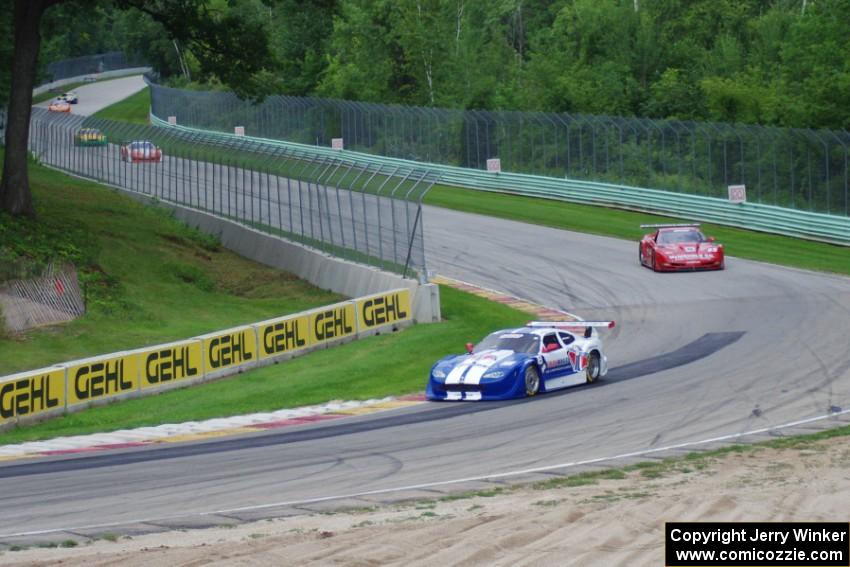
(593,368)
(532,381)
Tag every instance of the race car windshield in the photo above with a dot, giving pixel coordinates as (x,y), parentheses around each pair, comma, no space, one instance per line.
(517,342)
(680,236)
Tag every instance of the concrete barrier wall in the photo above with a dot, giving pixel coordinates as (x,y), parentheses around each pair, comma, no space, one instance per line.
(97,76)
(320,269)
(41,394)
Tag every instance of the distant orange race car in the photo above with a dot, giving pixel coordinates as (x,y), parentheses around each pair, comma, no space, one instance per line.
(59,105)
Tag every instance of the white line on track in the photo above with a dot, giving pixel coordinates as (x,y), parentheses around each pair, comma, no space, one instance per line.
(426,485)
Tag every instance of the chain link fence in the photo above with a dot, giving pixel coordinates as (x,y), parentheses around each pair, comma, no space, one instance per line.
(354,210)
(90,64)
(52,296)
(796,168)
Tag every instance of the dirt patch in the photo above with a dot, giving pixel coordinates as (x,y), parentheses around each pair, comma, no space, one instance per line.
(613,519)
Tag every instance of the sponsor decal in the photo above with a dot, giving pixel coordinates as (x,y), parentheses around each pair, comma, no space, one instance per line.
(332,323)
(283,335)
(686,257)
(383,309)
(102,378)
(170,363)
(32,393)
(230,349)
(578,361)
(556,362)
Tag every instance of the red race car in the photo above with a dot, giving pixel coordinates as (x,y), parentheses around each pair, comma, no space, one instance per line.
(140,150)
(679,247)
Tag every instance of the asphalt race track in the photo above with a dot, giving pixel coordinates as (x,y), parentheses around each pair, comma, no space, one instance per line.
(95,96)
(694,357)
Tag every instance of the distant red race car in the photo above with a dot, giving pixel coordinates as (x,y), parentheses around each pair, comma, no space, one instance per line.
(679,247)
(140,150)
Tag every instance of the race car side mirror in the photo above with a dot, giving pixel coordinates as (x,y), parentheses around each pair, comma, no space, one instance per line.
(711,239)
(469,347)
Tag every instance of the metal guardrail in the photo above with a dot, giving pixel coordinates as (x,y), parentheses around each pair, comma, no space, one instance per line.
(753,216)
(352,209)
(797,168)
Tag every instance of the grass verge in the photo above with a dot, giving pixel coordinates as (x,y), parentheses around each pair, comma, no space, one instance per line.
(379,366)
(147,277)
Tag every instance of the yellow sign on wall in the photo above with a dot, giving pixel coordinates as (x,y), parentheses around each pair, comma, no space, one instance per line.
(286,334)
(102,377)
(383,309)
(32,393)
(332,322)
(166,364)
(229,348)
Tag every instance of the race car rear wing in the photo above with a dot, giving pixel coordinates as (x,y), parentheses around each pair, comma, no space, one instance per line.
(574,326)
(674,225)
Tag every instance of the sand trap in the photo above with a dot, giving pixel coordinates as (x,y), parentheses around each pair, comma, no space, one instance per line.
(616,522)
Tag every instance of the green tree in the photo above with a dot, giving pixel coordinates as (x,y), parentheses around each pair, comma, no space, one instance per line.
(233,48)
(301,36)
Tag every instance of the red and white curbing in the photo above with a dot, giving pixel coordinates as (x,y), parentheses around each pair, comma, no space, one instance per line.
(198,430)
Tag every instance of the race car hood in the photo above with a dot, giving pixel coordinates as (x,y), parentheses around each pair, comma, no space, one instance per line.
(689,250)
(469,369)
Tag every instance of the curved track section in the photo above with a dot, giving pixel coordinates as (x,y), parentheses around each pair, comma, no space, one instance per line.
(96,96)
(694,356)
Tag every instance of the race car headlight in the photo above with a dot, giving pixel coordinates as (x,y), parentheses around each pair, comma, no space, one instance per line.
(495,374)
(437,373)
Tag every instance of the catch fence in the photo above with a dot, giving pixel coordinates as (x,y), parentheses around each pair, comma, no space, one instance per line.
(354,210)
(801,169)
(90,65)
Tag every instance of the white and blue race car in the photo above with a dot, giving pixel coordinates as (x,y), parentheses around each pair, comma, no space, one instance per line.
(514,363)
(70,97)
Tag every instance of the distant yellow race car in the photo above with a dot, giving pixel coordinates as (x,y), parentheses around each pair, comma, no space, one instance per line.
(89,137)
(59,105)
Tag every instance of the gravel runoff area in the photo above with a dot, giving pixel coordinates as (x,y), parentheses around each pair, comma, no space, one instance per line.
(615,522)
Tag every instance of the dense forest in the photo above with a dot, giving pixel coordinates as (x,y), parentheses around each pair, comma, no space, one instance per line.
(775,62)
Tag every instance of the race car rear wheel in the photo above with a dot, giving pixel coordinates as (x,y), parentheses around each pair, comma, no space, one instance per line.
(532,381)
(593,368)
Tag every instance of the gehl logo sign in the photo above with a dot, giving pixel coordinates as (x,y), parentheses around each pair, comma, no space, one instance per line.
(332,323)
(102,378)
(230,349)
(170,364)
(383,309)
(33,394)
(283,335)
